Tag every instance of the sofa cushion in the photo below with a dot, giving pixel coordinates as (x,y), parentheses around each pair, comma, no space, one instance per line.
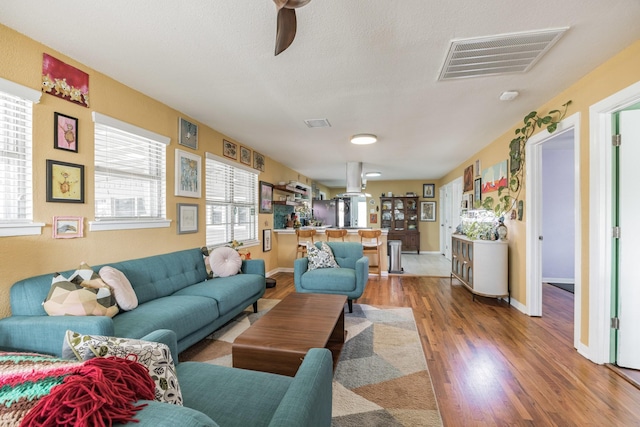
(225,262)
(156,357)
(182,314)
(229,292)
(83,294)
(261,393)
(335,279)
(121,287)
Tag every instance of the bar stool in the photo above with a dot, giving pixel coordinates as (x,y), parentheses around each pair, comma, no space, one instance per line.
(335,234)
(303,238)
(371,243)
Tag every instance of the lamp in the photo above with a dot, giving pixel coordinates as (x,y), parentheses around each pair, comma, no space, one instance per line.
(363,138)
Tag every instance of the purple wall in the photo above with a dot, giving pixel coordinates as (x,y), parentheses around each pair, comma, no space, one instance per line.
(558,212)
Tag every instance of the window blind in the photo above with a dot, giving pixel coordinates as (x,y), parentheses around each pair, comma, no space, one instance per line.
(231,202)
(16,194)
(130,172)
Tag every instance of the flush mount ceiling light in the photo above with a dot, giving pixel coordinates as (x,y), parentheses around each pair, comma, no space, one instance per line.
(363,139)
(372,174)
(509,95)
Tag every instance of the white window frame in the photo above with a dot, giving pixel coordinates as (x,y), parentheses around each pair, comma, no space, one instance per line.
(26,226)
(247,242)
(107,224)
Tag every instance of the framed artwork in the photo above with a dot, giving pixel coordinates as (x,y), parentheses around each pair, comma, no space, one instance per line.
(266,197)
(468,179)
(428,211)
(373,217)
(266,240)
(187,133)
(188,174)
(245,155)
(230,149)
(258,161)
(65,182)
(514,156)
(65,132)
(187,218)
(68,227)
(477,189)
(428,191)
(495,177)
(64,81)
(478,170)
(471,201)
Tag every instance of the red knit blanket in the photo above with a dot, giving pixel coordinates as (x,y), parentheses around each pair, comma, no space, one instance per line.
(38,390)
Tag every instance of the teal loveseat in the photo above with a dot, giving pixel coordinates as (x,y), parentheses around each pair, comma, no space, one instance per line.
(350,279)
(173,293)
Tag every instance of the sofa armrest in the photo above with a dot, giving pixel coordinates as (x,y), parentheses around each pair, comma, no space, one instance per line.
(362,273)
(307,402)
(160,414)
(300,266)
(253,266)
(45,334)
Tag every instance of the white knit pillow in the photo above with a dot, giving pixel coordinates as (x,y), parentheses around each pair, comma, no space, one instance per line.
(225,261)
(122,289)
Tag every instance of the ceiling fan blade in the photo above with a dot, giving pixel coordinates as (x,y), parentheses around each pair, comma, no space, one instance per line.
(286,31)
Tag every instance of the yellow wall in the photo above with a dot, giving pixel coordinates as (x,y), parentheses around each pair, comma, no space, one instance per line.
(614,75)
(27,256)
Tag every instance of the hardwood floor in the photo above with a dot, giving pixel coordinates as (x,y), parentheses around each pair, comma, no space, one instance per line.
(491,365)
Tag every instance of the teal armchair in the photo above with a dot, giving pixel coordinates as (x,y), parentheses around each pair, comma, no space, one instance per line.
(350,279)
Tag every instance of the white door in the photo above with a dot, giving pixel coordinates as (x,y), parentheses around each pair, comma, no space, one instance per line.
(446,203)
(628,243)
(456,203)
(443,242)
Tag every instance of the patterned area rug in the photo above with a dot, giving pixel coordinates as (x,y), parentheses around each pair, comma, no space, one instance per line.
(381,378)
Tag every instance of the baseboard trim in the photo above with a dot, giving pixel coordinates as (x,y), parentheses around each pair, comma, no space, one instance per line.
(564,281)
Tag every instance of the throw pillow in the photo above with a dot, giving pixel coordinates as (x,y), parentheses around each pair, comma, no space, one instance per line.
(225,261)
(122,289)
(156,357)
(83,294)
(320,258)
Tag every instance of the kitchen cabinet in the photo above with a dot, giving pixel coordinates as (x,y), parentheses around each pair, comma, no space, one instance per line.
(400,216)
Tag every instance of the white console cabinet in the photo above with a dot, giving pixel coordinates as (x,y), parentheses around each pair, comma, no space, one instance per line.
(481,265)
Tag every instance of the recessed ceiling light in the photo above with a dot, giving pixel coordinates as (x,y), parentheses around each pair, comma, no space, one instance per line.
(363,139)
(509,95)
(371,174)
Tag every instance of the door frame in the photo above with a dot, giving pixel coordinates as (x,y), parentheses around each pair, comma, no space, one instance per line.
(533,209)
(600,220)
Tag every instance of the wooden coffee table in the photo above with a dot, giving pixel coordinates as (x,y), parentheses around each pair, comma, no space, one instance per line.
(280,339)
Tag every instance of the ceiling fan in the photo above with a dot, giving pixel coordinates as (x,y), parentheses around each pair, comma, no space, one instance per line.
(286,31)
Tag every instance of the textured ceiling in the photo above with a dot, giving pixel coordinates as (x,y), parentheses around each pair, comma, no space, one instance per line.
(365,65)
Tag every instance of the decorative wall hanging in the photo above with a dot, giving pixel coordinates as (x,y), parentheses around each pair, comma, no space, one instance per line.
(245,155)
(187,133)
(428,191)
(68,227)
(230,149)
(65,182)
(266,240)
(428,211)
(468,179)
(258,161)
(65,132)
(187,218)
(188,167)
(494,177)
(477,189)
(64,81)
(266,197)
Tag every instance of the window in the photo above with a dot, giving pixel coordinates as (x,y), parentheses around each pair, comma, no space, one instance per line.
(232,201)
(16,193)
(130,176)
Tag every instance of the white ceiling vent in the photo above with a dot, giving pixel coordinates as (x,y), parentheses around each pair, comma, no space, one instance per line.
(507,53)
(318,123)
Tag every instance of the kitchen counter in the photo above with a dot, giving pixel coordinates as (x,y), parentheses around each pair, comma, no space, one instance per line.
(320,230)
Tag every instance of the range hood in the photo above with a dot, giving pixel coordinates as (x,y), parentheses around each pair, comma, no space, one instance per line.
(354,181)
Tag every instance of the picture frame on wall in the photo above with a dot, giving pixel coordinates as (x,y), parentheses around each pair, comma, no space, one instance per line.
(266,240)
(266,197)
(230,149)
(188,173)
(65,132)
(187,133)
(468,179)
(68,227)
(65,182)
(428,211)
(258,161)
(245,156)
(187,218)
(428,191)
(471,200)
(477,189)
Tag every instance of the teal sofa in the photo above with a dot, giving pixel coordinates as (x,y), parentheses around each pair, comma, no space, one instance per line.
(350,279)
(173,293)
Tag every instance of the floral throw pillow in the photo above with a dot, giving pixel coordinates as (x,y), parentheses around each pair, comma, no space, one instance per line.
(320,258)
(156,357)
